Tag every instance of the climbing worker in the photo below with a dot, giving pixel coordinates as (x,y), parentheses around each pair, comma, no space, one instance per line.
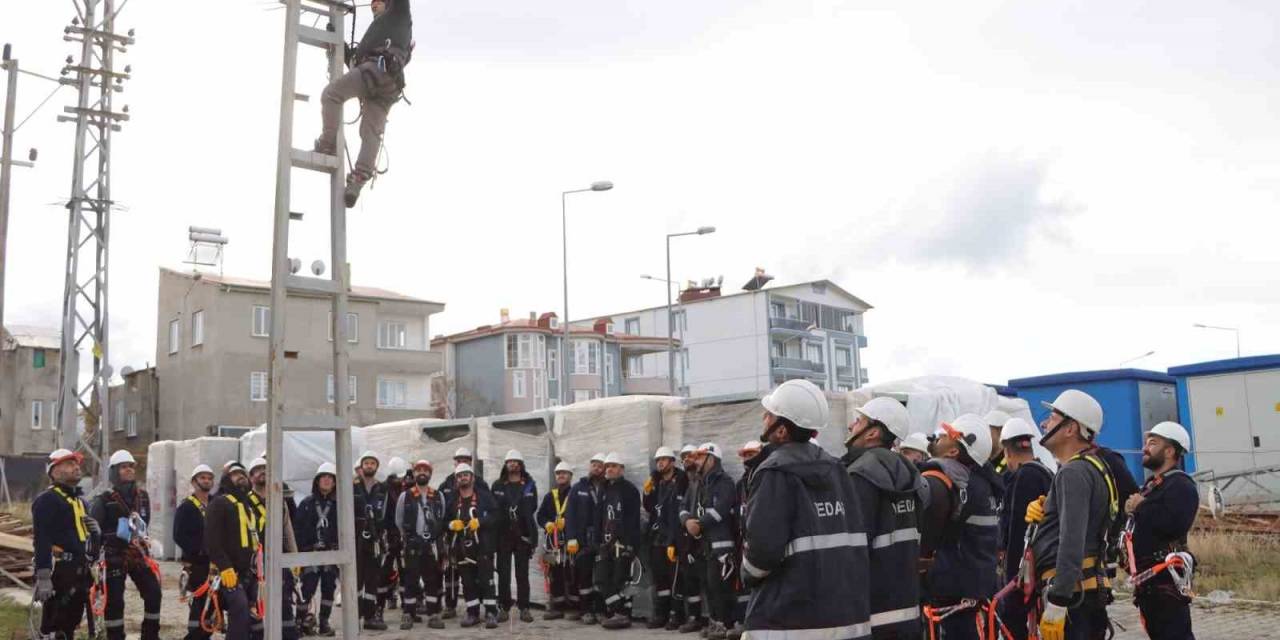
(517,496)
(188,533)
(551,518)
(370,518)
(124,512)
(317,530)
(231,537)
(616,541)
(1026,480)
(1069,545)
(995,420)
(711,519)
(962,575)
(691,566)
(420,519)
(1160,515)
(66,540)
(915,448)
(661,500)
(258,498)
(377,79)
(392,560)
(581,524)
(472,515)
(886,486)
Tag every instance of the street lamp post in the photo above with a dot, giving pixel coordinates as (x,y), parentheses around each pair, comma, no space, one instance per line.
(671,338)
(1234,329)
(600,185)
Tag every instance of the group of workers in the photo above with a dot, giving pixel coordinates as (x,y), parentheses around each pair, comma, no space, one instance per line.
(959,534)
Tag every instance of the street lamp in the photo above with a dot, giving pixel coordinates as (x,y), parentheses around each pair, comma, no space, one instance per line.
(599,185)
(671,329)
(1235,329)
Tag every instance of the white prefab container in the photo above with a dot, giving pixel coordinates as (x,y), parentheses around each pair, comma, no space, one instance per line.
(527,433)
(628,425)
(160,486)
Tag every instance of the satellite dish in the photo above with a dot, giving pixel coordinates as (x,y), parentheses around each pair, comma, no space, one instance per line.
(317,267)
(126,371)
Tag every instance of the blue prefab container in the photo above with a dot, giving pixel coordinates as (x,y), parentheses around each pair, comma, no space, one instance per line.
(1133,401)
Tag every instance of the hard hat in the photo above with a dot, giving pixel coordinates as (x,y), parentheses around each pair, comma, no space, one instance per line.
(368,455)
(564,466)
(227,465)
(327,468)
(462,452)
(687,449)
(423,463)
(121,457)
(888,412)
(599,457)
(973,434)
(1017,428)
(60,456)
(799,401)
(710,448)
(233,467)
(257,462)
(513,455)
(1078,406)
(1173,432)
(917,441)
(752,445)
(664,452)
(996,418)
(614,458)
(396,466)
(463,468)
(200,468)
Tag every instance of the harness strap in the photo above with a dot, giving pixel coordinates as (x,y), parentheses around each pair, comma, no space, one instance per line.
(77,510)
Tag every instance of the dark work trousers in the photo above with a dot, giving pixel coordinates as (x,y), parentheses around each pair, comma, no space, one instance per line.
(477,584)
(368,575)
(584,566)
(612,572)
(326,578)
(66,607)
(420,582)
(1013,613)
(1166,614)
(721,597)
(663,573)
(961,624)
(1089,620)
(148,586)
(511,547)
(564,596)
(196,578)
(256,623)
(692,573)
(237,604)
(288,625)
(392,565)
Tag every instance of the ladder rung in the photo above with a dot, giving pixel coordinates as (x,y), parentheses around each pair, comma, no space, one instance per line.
(313,558)
(295,215)
(318,37)
(304,284)
(314,161)
(315,423)
(301,97)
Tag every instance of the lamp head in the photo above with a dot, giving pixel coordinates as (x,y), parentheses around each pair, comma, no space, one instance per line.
(601,185)
(702,231)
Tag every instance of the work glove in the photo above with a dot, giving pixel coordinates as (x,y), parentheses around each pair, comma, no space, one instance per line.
(229,578)
(1035,511)
(550,528)
(648,486)
(559,524)
(671,554)
(44,585)
(297,572)
(474,525)
(91,525)
(456,525)
(1053,622)
(573,547)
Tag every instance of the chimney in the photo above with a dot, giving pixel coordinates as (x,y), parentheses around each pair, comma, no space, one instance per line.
(533,317)
(709,288)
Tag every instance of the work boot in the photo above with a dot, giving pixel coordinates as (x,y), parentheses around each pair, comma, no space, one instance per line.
(674,622)
(491,621)
(691,625)
(504,615)
(716,631)
(327,148)
(573,615)
(617,621)
(406,621)
(435,622)
(326,631)
(470,621)
(449,613)
(525,616)
(375,623)
(307,625)
(553,614)
(736,632)
(590,618)
(355,182)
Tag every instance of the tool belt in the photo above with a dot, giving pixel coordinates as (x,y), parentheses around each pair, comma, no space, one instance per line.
(1094,576)
(383,72)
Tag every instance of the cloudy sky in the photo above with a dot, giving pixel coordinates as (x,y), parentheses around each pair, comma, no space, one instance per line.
(1019,188)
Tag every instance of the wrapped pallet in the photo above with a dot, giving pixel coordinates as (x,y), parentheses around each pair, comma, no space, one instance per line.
(728,423)
(421,439)
(161,482)
(304,452)
(188,454)
(526,433)
(629,425)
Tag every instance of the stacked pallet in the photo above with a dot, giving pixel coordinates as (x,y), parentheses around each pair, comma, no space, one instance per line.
(16,551)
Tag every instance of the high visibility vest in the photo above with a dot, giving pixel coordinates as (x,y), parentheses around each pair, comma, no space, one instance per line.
(77,510)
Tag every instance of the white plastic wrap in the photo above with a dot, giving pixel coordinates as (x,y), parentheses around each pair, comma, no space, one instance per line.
(304,451)
(421,439)
(629,425)
(188,454)
(160,486)
(497,436)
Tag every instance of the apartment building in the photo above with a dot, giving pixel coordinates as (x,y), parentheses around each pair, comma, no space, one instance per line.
(135,409)
(29,358)
(212,347)
(514,366)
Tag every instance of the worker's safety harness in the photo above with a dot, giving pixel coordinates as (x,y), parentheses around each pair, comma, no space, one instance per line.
(211,618)
(1176,559)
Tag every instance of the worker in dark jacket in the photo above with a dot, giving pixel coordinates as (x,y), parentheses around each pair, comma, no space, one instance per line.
(370,518)
(188,533)
(316,529)
(1160,515)
(886,485)
(231,537)
(551,519)
(124,512)
(712,520)
(392,559)
(473,516)
(581,522)
(752,454)
(1026,479)
(806,546)
(447,487)
(420,518)
(662,491)
(517,496)
(691,563)
(66,539)
(616,540)
(258,498)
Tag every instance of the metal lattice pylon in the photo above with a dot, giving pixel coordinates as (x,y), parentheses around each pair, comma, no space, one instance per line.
(84,302)
(283,284)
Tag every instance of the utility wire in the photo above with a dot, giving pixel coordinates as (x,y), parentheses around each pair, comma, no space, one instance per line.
(33,111)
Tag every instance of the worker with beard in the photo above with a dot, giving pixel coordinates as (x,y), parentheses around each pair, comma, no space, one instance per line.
(617,536)
(447,487)
(750,455)
(662,491)
(124,512)
(231,536)
(886,485)
(517,496)
(371,517)
(915,448)
(258,497)
(188,533)
(581,526)
(472,516)
(393,560)
(1025,481)
(691,561)
(316,528)
(65,541)
(711,519)
(419,516)
(551,517)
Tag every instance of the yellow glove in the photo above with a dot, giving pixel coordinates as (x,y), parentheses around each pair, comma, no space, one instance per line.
(297,572)
(474,525)
(1035,511)
(229,578)
(573,547)
(671,554)
(648,486)
(455,525)
(1053,622)
(550,528)
(560,524)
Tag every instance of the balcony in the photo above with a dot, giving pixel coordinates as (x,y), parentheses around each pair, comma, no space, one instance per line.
(797,364)
(790,324)
(844,372)
(646,386)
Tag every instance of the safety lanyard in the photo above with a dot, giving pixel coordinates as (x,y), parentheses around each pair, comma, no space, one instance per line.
(248,524)
(555,500)
(196,501)
(77,510)
(261,509)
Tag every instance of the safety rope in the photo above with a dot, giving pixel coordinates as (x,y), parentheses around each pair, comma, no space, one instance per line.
(98,592)
(211,587)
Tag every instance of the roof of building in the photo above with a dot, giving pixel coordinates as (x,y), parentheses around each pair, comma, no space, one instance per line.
(35,337)
(373,293)
(1080,377)
(525,325)
(863,303)
(1230,365)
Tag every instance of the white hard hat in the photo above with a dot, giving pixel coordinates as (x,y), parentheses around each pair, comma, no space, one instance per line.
(397,466)
(599,457)
(370,454)
(462,452)
(664,452)
(614,458)
(996,418)
(463,468)
(916,441)
(799,401)
(564,466)
(687,449)
(711,449)
(121,457)
(327,468)
(514,455)
(1079,406)
(257,462)
(752,445)
(974,436)
(200,468)
(1173,432)
(60,456)
(888,412)
(1017,428)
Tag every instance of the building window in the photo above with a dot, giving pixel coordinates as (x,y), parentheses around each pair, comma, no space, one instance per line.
(633,326)
(132,430)
(553,364)
(519,381)
(777,310)
(540,352)
(776,349)
(680,320)
(175,332)
(37,414)
(351,389)
(554,402)
(813,352)
(197,328)
(843,357)
(582,395)
(635,366)
(520,353)
(586,357)
(392,335)
(539,389)
(353,327)
(37,358)
(392,393)
(261,322)
(258,386)
(608,368)
(118,416)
